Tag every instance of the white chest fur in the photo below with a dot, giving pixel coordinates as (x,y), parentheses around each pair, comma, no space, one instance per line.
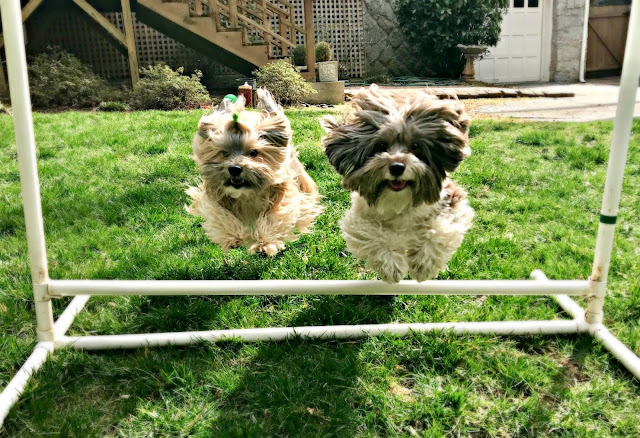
(392,203)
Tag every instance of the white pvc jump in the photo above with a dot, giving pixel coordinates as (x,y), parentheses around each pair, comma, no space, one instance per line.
(52,335)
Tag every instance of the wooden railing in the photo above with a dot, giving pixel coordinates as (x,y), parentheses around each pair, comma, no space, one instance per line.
(270,22)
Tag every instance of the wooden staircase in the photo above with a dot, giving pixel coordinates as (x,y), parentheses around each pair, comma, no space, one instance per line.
(242,34)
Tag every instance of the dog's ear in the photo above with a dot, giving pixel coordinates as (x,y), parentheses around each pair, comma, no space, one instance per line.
(328,123)
(373,99)
(343,148)
(464,122)
(445,130)
(205,124)
(266,101)
(274,127)
(202,145)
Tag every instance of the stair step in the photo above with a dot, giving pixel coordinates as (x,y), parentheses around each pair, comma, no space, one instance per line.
(204,31)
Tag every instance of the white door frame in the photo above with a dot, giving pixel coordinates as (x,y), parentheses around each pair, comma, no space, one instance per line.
(546,34)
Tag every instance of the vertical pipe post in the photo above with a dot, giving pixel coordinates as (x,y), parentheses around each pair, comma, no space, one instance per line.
(615,169)
(310,39)
(130,36)
(25,142)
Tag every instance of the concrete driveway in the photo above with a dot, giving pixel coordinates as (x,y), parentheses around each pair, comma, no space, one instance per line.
(595,100)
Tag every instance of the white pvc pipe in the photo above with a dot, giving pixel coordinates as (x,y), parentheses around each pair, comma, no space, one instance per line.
(617,159)
(567,304)
(26,146)
(66,319)
(585,35)
(315,287)
(501,328)
(627,357)
(15,388)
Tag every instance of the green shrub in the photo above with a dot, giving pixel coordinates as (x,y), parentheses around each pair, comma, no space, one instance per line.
(380,78)
(113,106)
(299,55)
(162,88)
(283,81)
(59,79)
(435,27)
(324,52)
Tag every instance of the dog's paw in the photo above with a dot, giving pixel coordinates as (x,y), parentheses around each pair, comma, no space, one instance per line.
(226,245)
(423,271)
(424,265)
(269,249)
(391,268)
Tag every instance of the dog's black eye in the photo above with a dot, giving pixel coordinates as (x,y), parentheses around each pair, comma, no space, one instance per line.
(415,147)
(225,154)
(382,147)
(253,153)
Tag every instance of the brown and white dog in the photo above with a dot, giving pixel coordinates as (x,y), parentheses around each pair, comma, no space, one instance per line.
(255,191)
(395,155)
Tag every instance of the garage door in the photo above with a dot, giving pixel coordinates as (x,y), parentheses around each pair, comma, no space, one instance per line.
(517,56)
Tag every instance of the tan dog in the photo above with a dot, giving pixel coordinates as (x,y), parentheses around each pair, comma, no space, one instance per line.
(255,192)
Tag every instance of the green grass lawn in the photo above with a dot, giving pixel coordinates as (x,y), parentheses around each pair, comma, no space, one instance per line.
(113,195)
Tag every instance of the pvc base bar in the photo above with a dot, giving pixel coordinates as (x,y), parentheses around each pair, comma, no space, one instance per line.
(502,328)
(59,288)
(15,388)
(626,357)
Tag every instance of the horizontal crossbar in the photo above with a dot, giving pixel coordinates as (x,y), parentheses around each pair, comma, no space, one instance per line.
(61,288)
(498,328)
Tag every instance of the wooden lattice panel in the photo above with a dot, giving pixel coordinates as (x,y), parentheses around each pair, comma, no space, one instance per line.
(75,34)
(340,23)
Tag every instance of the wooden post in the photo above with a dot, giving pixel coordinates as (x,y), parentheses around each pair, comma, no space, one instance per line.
(310,40)
(264,15)
(283,34)
(233,14)
(198,8)
(131,41)
(214,12)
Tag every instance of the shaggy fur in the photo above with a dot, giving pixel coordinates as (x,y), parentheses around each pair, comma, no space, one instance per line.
(395,155)
(254,192)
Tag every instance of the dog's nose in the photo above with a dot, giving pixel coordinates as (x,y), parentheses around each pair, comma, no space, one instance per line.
(235,170)
(396,169)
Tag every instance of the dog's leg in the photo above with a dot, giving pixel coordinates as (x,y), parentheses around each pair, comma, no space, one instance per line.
(437,240)
(219,225)
(225,230)
(369,241)
(425,262)
(269,234)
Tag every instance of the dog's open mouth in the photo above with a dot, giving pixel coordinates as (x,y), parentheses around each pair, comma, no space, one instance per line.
(397,185)
(238,183)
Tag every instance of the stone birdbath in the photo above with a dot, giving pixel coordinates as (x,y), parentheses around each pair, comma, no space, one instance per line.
(470,53)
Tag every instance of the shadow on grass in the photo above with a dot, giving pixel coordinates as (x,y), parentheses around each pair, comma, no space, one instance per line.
(290,388)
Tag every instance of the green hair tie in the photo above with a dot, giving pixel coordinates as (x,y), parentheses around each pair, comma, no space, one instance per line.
(235,117)
(231,97)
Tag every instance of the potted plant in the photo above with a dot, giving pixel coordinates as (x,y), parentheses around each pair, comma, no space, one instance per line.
(299,57)
(327,67)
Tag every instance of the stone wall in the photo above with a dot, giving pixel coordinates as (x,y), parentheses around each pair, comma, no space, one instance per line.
(386,50)
(566,40)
